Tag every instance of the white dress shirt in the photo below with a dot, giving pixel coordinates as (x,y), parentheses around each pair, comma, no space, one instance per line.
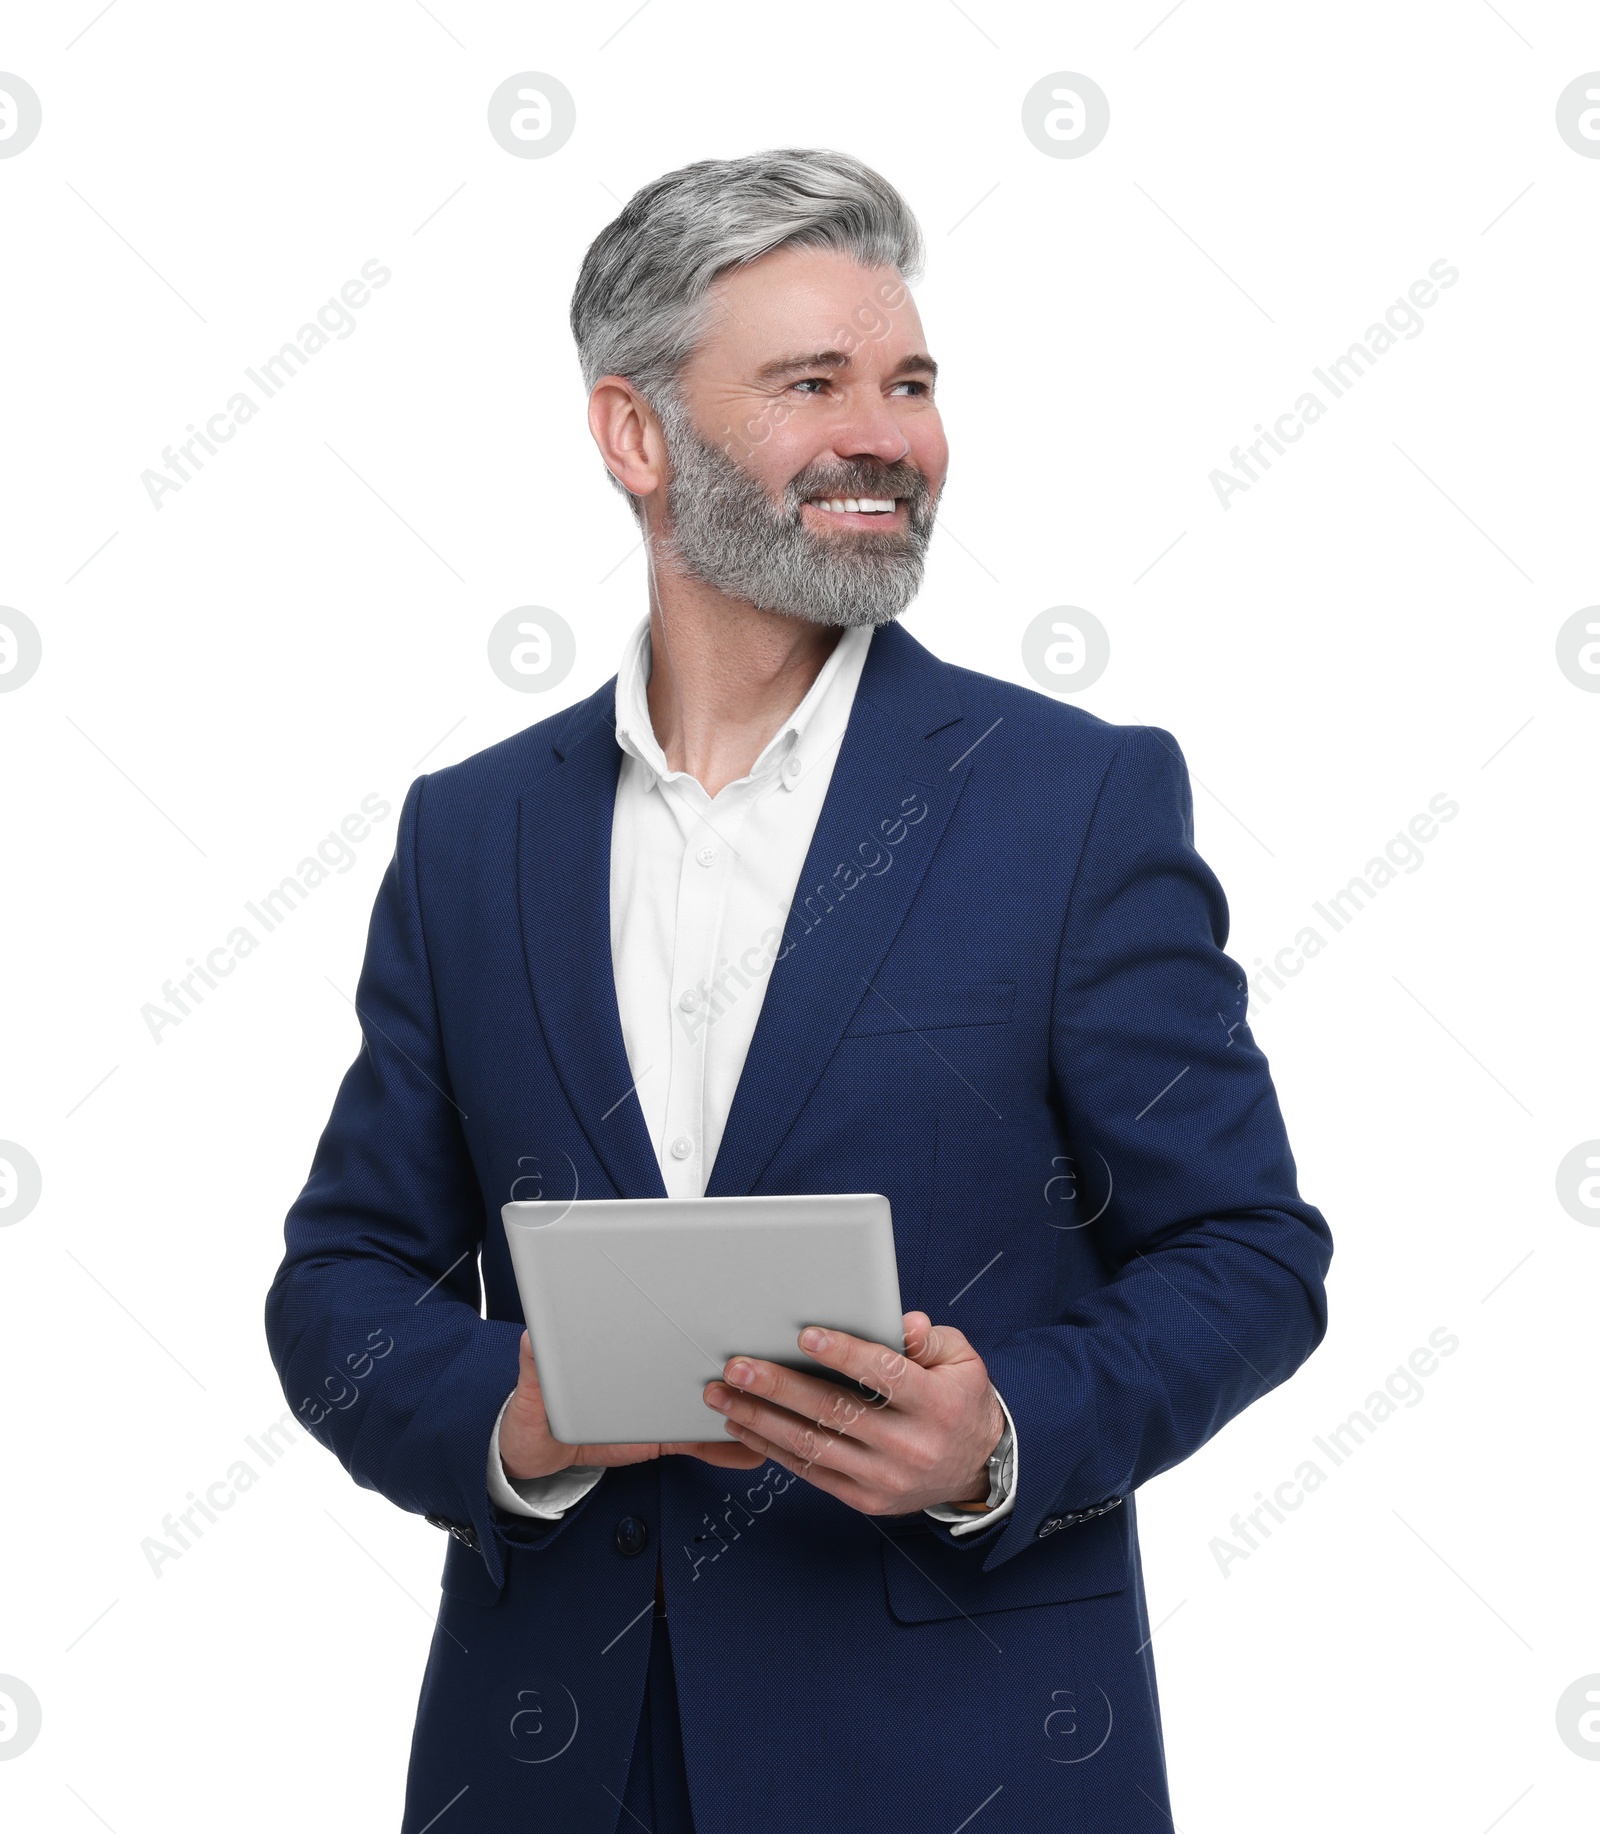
(700,889)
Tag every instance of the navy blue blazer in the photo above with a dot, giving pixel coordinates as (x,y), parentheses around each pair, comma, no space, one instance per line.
(1002,1000)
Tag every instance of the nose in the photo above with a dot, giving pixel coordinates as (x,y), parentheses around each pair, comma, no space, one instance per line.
(871,431)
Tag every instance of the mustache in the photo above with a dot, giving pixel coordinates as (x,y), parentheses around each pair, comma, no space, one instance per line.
(899,480)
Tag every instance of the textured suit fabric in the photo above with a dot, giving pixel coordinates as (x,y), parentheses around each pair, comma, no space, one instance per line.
(657,1796)
(1003,1000)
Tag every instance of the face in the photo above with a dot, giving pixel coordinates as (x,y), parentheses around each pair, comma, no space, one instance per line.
(805,452)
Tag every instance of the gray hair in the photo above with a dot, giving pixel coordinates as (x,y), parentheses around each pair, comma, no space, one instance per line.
(640,306)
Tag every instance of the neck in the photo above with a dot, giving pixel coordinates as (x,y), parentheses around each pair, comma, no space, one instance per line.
(724,675)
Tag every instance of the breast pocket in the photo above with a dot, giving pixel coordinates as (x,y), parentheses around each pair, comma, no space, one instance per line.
(887,1008)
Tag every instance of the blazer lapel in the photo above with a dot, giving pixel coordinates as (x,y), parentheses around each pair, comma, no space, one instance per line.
(564,894)
(848,907)
(889,796)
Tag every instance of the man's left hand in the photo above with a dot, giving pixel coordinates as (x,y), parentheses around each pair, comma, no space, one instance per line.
(925,1441)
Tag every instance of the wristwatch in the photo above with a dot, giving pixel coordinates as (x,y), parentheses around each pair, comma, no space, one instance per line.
(999,1470)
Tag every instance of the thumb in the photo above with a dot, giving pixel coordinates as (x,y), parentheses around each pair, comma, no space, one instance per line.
(928,1344)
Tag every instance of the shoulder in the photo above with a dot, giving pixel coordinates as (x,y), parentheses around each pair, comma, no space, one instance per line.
(481,792)
(1058,732)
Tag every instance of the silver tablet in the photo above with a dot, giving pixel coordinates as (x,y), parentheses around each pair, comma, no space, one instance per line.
(634,1304)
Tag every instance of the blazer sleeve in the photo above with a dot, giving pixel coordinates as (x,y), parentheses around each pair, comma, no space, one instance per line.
(1215,1265)
(373,1318)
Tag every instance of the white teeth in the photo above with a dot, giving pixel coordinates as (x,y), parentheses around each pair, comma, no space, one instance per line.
(872,505)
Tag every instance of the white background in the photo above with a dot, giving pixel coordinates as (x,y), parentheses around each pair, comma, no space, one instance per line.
(1371,624)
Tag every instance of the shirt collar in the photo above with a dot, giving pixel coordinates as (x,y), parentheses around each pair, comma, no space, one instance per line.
(820,718)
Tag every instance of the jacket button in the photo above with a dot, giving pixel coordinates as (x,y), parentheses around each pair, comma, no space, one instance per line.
(631,1535)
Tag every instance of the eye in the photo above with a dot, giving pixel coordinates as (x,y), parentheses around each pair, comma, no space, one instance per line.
(921,387)
(807,381)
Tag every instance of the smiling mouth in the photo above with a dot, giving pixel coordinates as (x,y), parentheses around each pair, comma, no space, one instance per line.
(862,512)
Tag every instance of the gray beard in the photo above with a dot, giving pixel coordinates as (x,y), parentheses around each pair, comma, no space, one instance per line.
(726,532)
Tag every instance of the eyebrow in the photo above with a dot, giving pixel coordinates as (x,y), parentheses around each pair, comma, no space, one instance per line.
(840,359)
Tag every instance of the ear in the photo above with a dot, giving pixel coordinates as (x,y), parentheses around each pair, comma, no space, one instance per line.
(628,435)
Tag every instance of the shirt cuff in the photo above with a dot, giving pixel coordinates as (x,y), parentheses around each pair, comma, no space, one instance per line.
(964,1521)
(548,1497)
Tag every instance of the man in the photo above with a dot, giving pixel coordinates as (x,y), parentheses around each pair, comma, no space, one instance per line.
(790,905)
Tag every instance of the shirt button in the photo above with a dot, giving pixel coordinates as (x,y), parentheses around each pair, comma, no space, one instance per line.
(792,768)
(687,1001)
(682,1147)
(706,855)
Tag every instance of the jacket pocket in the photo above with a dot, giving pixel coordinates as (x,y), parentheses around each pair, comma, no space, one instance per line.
(927,1578)
(924,1009)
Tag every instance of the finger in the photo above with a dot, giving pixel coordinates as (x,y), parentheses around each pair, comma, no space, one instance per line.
(814,1398)
(821,1477)
(889,1371)
(731,1454)
(916,1326)
(803,1439)
(928,1345)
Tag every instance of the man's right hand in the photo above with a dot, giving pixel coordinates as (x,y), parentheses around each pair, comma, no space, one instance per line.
(528,1449)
